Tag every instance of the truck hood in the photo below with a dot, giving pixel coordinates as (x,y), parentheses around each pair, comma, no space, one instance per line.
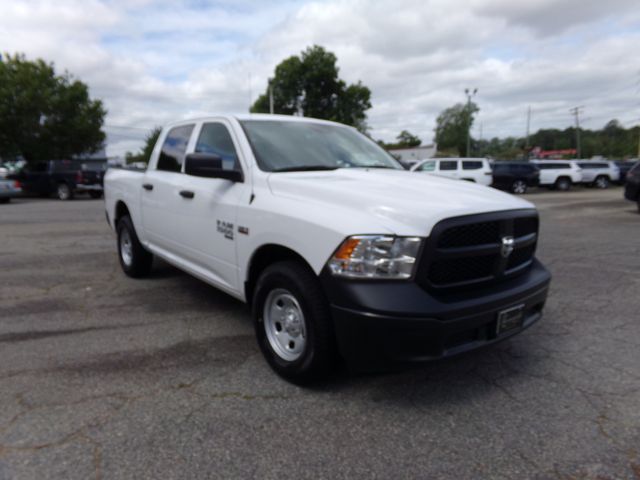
(394,201)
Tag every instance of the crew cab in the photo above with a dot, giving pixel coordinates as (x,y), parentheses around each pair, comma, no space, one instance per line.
(62,178)
(338,249)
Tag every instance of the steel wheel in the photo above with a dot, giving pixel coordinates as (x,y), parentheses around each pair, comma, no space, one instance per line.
(284,324)
(519,187)
(126,248)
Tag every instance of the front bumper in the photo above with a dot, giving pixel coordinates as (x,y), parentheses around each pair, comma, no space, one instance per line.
(381,323)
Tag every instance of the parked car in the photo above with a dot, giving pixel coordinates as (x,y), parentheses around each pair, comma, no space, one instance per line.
(335,246)
(599,174)
(559,174)
(476,170)
(632,186)
(9,189)
(62,178)
(515,177)
(624,166)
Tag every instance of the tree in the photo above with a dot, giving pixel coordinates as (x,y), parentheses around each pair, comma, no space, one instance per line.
(309,84)
(44,115)
(405,139)
(452,124)
(145,154)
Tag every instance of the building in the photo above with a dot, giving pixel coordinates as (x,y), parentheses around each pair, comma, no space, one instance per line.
(412,155)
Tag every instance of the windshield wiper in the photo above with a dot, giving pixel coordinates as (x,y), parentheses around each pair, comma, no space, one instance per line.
(305,168)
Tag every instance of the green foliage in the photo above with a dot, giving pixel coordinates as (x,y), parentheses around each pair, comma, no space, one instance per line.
(612,141)
(452,124)
(44,115)
(145,154)
(405,139)
(309,84)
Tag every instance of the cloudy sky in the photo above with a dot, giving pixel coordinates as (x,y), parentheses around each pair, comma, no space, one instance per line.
(158,61)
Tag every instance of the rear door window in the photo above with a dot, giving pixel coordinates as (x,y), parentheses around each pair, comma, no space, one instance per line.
(174,148)
(471,165)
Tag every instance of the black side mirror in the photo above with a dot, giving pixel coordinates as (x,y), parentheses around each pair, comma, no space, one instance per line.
(209,165)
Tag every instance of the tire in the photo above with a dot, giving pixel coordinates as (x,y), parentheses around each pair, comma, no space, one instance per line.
(601,182)
(64,192)
(94,194)
(293,323)
(563,184)
(135,260)
(519,187)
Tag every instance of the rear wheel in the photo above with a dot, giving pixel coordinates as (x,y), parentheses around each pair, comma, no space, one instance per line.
(519,187)
(563,184)
(63,192)
(135,260)
(601,182)
(293,322)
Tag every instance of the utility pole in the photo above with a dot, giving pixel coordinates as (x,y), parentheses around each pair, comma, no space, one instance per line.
(469,95)
(575,111)
(526,143)
(270,97)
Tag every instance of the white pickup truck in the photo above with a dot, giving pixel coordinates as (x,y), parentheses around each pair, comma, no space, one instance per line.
(339,250)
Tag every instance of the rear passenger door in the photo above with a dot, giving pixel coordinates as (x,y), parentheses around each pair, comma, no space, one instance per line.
(160,196)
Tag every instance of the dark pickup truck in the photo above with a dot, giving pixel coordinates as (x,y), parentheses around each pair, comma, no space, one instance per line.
(63,178)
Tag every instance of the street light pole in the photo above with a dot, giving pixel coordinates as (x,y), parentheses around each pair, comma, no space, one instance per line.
(469,95)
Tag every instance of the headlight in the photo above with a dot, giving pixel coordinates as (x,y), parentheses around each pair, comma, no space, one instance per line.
(376,256)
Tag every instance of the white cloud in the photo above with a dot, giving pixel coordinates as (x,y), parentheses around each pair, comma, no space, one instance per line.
(155,61)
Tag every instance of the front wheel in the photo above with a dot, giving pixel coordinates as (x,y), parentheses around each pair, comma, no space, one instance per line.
(64,192)
(135,260)
(601,182)
(293,322)
(519,187)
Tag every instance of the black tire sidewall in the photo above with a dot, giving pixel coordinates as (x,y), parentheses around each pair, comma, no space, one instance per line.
(563,184)
(287,275)
(141,259)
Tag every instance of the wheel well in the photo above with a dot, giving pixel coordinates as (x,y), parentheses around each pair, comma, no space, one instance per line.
(263,257)
(121,211)
(564,177)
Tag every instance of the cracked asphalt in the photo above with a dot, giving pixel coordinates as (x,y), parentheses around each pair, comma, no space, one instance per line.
(102,376)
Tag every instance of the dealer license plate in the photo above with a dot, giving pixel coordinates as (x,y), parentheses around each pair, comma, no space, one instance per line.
(510,319)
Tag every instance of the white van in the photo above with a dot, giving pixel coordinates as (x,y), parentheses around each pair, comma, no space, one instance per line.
(476,170)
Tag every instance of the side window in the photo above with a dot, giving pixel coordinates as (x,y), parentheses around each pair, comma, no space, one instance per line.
(427,167)
(471,165)
(215,138)
(448,164)
(174,148)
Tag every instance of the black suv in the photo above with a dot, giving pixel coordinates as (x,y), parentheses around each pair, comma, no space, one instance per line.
(632,186)
(515,176)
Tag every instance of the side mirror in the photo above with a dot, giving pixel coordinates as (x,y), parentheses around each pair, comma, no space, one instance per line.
(209,165)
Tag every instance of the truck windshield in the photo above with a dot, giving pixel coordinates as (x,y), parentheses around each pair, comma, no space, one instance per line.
(299,146)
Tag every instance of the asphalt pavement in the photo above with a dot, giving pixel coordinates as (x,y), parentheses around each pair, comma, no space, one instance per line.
(103,376)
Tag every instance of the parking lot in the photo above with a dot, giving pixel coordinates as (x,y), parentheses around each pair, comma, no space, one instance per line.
(103,376)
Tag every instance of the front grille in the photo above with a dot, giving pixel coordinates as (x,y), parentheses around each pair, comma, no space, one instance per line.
(469,251)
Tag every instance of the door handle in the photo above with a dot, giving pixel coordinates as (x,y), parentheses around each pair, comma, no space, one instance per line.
(147,186)
(187,194)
